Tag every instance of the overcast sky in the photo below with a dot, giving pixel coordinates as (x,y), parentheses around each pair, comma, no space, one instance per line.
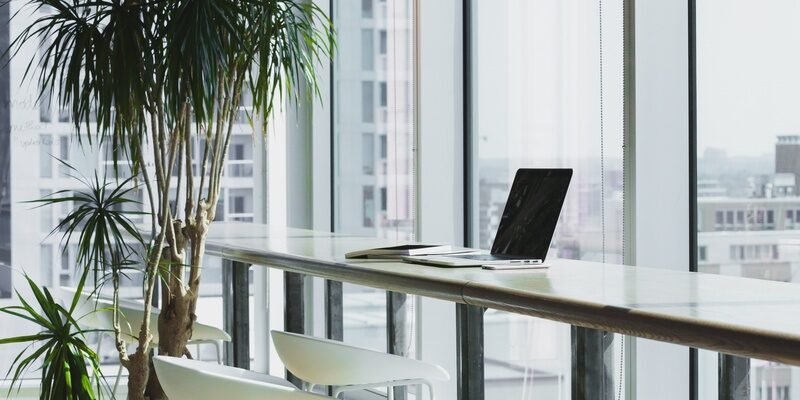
(748,74)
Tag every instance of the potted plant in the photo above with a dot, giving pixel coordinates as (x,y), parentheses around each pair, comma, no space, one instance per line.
(152,78)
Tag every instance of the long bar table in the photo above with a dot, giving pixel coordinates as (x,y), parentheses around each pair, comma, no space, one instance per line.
(731,315)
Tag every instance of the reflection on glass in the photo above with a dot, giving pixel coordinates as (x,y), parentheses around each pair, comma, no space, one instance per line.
(373,142)
(748,161)
(541,99)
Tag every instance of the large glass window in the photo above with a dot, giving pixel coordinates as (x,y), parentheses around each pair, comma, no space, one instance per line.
(41,132)
(373,142)
(748,143)
(547,92)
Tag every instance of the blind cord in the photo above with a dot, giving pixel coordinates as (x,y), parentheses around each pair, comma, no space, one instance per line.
(620,364)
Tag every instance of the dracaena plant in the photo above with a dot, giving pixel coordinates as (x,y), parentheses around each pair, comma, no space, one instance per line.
(154,77)
(69,369)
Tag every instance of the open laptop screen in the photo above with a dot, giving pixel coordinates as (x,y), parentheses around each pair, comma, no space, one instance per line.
(531,213)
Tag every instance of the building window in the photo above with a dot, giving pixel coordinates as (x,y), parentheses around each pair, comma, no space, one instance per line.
(367,50)
(45,156)
(240,163)
(45,109)
(701,253)
(383,146)
(368,153)
(366,9)
(720,220)
(382,42)
(368,199)
(45,214)
(383,199)
(46,264)
(367,102)
(240,205)
(63,155)
(382,94)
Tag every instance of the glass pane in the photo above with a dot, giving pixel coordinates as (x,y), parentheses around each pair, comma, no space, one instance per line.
(45,156)
(547,93)
(748,147)
(373,142)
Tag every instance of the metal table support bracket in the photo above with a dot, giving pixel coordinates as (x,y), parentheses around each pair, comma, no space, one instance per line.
(398,340)
(294,313)
(334,313)
(236,305)
(592,364)
(469,342)
(734,377)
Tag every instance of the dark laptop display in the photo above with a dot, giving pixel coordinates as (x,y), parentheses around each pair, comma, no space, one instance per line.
(531,213)
(526,227)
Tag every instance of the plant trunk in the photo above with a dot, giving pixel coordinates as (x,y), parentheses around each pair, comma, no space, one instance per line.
(138,373)
(176,321)
(175,328)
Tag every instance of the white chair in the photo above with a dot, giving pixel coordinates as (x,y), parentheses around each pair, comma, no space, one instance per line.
(345,368)
(96,313)
(184,379)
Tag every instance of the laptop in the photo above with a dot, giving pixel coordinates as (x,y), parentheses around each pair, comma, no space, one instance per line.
(527,225)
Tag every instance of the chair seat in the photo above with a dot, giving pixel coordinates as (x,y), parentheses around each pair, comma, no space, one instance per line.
(327,362)
(184,379)
(97,313)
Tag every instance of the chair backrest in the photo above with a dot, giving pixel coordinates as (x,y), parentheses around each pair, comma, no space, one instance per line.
(326,362)
(95,313)
(184,379)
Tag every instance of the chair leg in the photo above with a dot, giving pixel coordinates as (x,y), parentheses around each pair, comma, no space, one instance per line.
(116,382)
(430,389)
(100,337)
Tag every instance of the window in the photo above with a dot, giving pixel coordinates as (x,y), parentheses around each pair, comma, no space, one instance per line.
(544,97)
(372,198)
(383,147)
(368,153)
(747,141)
(240,205)
(382,95)
(368,201)
(46,264)
(366,9)
(367,102)
(45,109)
(240,157)
(45,214)
(701,253)
(367,50)
(45,156)
(63,155)
(382,42)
